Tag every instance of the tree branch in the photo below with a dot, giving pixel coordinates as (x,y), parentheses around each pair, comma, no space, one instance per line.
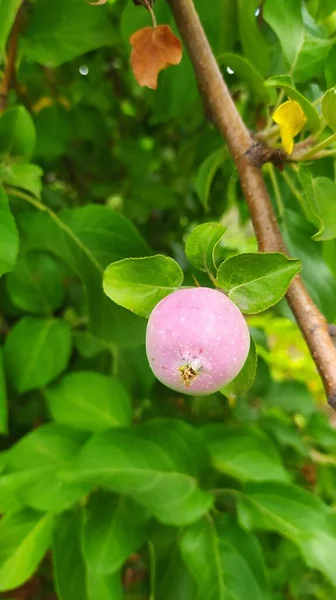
(216,95)
(9,74)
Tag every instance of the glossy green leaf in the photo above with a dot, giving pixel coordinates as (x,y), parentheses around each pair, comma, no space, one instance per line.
(201,245)
(17,134)
(296,514)
(8,11)
(256,281)
(285,18)
(285,83)
(245,378)
(36,285)
(137,462)
(247,72)
(140,283)
(73,578)
(254,44)
(24,176)
(329,107)
(114,528)
(3,397)
(36,352)
(225,561)
(34,463)
(24,539)
(244,453)
(9,240)
(206,174)
(90,401)
(88,239)
(62,32)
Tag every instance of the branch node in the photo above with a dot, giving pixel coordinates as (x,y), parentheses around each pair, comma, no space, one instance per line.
(258,154)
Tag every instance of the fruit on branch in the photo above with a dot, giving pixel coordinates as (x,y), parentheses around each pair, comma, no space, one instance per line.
(197,340)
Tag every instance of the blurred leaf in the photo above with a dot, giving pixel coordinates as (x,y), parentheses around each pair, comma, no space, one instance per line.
(330,67)
(17,133)
(285,18)
(201,245)
(9,239)
(88,239)
(320,196)
(312,57)
(206,174)
(243,453)
(8,12)
(140,283)
(247,72)
(36,352)
(256,281)
(24,539)
(245,378)
(36,284)
(329,108)
(174,581)
(3,398)
(254,44)
(90,401)
(291,396)
(285,83)
(153,49)
(130,461)
(296,514)
(73,578)
(57,34)
(225,561)
(325,8)
(113,530)
(33,467)
(25,176)
(291,119)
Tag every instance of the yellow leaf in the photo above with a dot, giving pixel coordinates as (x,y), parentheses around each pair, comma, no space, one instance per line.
(291,118)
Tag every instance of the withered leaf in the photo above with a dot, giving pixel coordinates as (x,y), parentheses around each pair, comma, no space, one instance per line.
(154,49)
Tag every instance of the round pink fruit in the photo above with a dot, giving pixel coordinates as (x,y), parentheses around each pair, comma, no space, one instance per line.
(197,340)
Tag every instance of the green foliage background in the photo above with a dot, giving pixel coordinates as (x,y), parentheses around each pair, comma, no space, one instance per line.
(139,492)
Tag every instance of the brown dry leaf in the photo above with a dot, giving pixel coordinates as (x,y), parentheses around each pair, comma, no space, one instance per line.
(154,49)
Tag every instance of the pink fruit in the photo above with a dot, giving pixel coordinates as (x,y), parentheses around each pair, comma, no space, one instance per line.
(197,340)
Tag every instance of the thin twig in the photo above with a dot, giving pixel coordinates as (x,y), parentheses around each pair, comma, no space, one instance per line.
(9,75)
(216,95)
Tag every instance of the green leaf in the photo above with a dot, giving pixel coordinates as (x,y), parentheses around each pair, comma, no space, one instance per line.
(245,378)
(320,196)
(135,462)
(113,530)
(330,68)
(9,240)
(73,578)
(311,58)
(296,514)
(254,44)
(206,174)
(201,245)
(244,453)
(3,398)
(17,134)
(225,561)
(247,72)
(88,239)
(329,107)
(24,539)
(140,283)
(36,284)
(24,176)
(62,32)
(285,18)
(8,10)
(34,463)
(173,580)
(89,401)
(256,281)
(36,352)
(285,83)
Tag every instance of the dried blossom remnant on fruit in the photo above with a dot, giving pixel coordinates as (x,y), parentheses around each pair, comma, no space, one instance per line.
(154,49)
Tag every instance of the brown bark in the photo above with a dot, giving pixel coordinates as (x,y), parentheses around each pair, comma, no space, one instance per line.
(217,98)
